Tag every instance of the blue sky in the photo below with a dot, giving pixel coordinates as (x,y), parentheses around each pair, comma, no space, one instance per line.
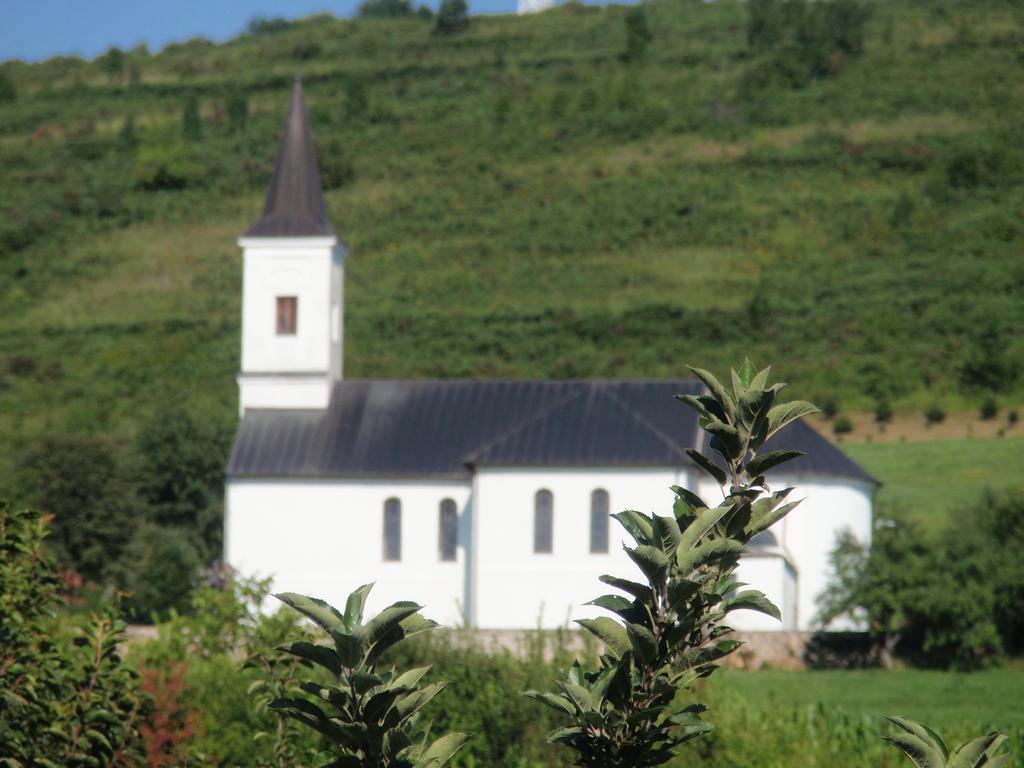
(38,29)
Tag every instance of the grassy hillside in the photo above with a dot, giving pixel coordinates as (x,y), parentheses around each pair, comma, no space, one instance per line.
(519,201)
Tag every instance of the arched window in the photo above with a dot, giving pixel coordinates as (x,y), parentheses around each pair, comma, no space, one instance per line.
(393,530)
(599,521)
(764,539)
(543,521)
(447,530)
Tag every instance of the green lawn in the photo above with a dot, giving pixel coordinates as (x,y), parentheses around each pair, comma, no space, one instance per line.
(943,699)
(940,477)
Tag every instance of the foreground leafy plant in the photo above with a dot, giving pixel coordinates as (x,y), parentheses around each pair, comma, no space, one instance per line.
(374,714)
(669,631)
(926,749)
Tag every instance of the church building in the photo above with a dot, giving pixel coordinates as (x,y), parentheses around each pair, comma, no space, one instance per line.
(486,501)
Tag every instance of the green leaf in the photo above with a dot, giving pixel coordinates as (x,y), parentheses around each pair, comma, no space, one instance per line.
(354,607)
(696,530)
(321,613)
(747,374)
(715,388)
(692,500)
(385,621)
(554,700)
(320,655)
(752,601)
(974,752)
(708,552)
(643,642)
(766,519)
(442,750)
(667,532)
(609,632)
(766,461)
(919,742)
(564,735)
(651,561)
(727,434)
(708,466)
(637,524)
(784,413)
(637,590)
(613,603)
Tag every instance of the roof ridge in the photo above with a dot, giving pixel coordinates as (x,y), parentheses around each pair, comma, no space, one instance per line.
(656,431)
(513,430)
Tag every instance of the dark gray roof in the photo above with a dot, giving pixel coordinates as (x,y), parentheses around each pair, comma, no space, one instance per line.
(295,201)
(441,429)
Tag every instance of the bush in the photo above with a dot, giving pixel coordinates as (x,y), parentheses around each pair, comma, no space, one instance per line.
(989,409)
(67,701)
(637,34)
(1012,417)
(842,425)
(883,412)
(167,166)
(385,8)
(159,570)
(261,25)
(829,408)
(8,93)
(191,124)
(452,17)
(934,415)
(79,481)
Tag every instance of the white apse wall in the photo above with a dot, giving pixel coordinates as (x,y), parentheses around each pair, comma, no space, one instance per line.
(324,538)
(516,588)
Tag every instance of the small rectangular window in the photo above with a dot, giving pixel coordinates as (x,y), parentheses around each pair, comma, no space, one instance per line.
(448,539)
(287,315)
(543,522)
(392,530)
(599,521)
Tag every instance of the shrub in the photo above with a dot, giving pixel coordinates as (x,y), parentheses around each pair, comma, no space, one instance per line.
(374,713)
(829,408)
(1012,417)
(159,569)
(988,365)
(68,701)
(261,25)
(191,124)
(385,8)
(989,409)
(237,107)
(79,481)
(452,17)
(883,412)
(638,35)
(166,166)
(934,415)
(306,51)
(8,93)
(842,425)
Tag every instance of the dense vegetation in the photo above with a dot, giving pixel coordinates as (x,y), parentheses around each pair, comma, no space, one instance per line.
(567,194)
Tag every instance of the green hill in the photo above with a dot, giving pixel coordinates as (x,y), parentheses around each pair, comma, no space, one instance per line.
(520,200)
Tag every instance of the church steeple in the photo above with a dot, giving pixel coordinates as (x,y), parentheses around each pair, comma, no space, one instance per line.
(295,201)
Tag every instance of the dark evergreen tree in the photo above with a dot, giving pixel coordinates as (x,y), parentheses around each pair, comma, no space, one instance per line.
(452,17)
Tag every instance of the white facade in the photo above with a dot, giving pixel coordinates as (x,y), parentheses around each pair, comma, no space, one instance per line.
(326,537)
(294,370)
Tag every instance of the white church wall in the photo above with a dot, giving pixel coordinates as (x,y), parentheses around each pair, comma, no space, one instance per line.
(325,537)
(769,572)
(517,588)
(808,533)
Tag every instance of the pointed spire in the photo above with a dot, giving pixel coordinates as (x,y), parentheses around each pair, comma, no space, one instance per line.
(295,201)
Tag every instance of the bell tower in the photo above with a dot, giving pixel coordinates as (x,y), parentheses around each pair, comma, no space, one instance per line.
(292,286)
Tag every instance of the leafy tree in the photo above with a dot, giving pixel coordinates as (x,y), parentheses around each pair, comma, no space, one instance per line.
(159,569)
(988,366)
(113,63)
(638,35)
(261,25)
(127,137)
(77,479)
(191,124)
(8,93)
(179,474)
(237,107)
(926,749)
(669,632)
(374,713)
(63,701)
(452,17)
(385,8)
(765,24)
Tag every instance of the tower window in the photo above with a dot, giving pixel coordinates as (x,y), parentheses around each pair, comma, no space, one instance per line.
(447,535)
(393,530)
(543,521)
(599,521)
(287,315)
